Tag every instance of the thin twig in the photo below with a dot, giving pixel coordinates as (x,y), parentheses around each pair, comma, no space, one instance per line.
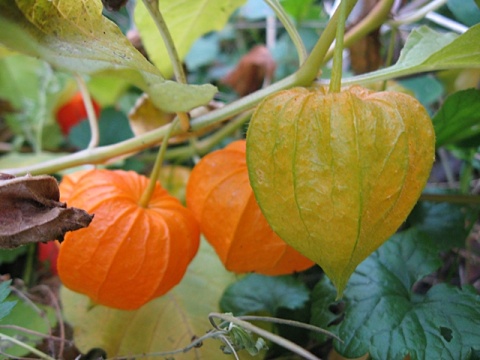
(290,323)
(287,344)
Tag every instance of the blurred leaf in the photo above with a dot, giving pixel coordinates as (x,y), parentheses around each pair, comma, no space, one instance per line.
(186,20)
(5,306)
(174,179)
(448,225)
(465,11)
(34,90)
(8,256)
(458,118)
(203,52)
(164,324)
(255,10)
(426,88)
(255,293)
(429,50)
(382,316)
(34,317)
(112,124)
(302,10)
(107,90)
(73,35)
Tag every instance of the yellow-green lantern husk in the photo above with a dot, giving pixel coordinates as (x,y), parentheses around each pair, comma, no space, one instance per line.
(336,174)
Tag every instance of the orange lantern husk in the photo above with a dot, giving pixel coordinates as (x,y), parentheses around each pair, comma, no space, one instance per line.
(128,255)
(221,198)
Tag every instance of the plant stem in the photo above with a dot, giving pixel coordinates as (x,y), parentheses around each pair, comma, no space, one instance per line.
(290,323)
(40,354)
(311,67)
(153,9)
(336,80)
(92,117)
(291,29)
(372,21)
(155,13)
(303,77)
(154,175)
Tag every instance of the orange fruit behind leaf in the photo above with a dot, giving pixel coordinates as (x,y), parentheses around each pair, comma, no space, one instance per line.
(220,196)
(73,112)
(128,255)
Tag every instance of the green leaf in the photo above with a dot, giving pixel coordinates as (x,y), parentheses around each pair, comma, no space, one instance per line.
(256,293)
(447,224)
(164,324)
(429,50)
(8,256)
(459,118)
(34,317)
(34,90)
(5,306)
(113,127)
(465,10)
(73,35)
(382,315)
(186,20)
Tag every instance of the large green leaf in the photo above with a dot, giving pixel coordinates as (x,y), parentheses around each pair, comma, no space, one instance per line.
(264,293)
(186,20)
(429,50)
(164,324)
(75,36)
(384,317)
(459,118)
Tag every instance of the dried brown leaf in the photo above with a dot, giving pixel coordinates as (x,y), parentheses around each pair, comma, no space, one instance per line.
(252,70)
(31,211)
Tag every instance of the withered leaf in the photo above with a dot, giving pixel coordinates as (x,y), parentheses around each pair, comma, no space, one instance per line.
(30,211)
(253,69)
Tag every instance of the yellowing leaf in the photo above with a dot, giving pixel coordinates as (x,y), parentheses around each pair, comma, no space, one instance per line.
(187,20)
(164,324)
(74,35)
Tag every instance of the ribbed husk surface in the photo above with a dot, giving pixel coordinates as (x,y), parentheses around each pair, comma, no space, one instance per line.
(220,196)
(128,255)
(336,174)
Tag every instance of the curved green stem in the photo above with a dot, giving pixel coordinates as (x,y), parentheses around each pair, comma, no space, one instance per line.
(291,29)
(92,117)
(311,67)
(154,175)
(303,77)
(372,21)
(153,9)
(336,81)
